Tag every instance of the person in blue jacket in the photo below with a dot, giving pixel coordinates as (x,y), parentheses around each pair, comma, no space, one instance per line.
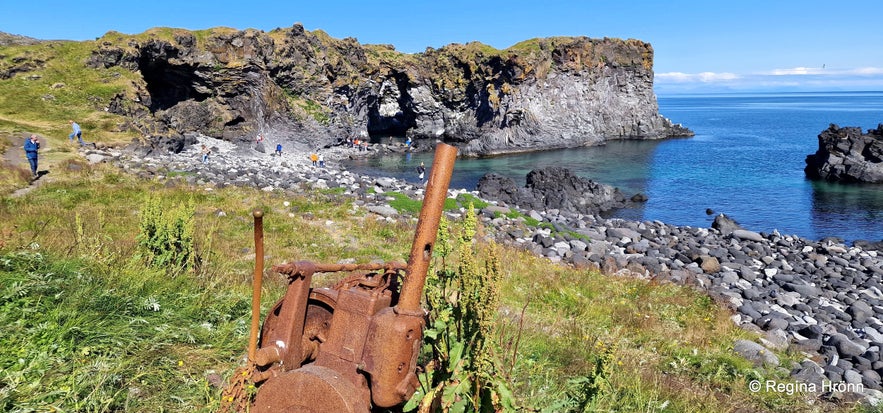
(31,147)
(76,132)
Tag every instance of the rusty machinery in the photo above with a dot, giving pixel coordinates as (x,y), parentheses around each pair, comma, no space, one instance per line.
(354,347)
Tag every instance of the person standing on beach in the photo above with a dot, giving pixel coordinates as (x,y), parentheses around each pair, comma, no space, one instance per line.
(205,153)
(421,170)
(76,132)
(31,147)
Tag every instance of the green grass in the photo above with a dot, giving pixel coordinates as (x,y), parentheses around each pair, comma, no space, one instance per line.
(405,204)
(465,199)
(87,327)
(622,344)
(84,339)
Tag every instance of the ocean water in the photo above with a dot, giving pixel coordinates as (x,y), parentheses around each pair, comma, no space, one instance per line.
(746,161)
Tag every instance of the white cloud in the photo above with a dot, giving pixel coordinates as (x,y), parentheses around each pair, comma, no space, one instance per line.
(797,71)
(797,78)
(822,71)
(869,71)
(704,77)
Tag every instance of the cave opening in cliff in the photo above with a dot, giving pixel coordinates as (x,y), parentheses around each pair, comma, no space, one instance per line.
(391,113)
(169,84)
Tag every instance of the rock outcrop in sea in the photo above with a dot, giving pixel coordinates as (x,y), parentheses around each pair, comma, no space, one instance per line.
(847,155)
(306,88)
(552,188)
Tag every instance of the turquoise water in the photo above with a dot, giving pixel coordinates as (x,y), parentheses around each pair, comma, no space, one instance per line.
(746,161)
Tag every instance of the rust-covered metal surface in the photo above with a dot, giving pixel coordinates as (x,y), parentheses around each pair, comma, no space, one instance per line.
(354,347)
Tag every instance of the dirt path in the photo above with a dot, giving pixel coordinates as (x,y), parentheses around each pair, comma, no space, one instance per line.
(14,156)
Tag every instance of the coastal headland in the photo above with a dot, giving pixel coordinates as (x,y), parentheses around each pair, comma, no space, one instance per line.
(306,88)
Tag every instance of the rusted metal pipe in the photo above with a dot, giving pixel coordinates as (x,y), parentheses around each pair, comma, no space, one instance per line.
(294,269)
(427,228)
(258,280)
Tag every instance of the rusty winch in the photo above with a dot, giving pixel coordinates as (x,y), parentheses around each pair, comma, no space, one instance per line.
(350,348)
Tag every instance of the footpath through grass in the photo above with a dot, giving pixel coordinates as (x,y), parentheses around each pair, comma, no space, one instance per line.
(86,326)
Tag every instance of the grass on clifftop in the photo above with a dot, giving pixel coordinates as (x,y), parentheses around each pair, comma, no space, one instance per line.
(53,85)
(88,327)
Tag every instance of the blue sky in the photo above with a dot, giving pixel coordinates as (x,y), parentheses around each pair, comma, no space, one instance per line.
(700,46)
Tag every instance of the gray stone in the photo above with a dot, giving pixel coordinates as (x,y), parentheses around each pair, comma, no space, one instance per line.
(871,378)
(844,346)
(873,335)
(783,278)
(94,158)
(535,215)
(860,311)
(788,299)
(810,345)
(620,233)
(385,183)
(775,339)
(809,372)
(804,290)
(756,353)
(494,209)
(578,245)
(852,377)
(729,277)
(382,210)
(773,322)
(747,235)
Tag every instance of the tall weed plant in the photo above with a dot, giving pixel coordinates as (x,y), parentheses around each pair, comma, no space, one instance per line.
(461,373)
(165,239)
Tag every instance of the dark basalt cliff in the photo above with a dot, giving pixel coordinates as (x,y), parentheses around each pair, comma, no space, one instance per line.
(310,88)
(847,155)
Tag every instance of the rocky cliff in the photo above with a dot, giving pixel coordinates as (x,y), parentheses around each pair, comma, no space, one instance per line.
(847,155)
(308,88)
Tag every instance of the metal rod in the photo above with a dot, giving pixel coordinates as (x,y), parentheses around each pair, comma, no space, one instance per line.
(294,269)
(427,228)
(258,280)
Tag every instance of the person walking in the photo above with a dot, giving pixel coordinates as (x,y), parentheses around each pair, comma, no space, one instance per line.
(314,158)
(76,132)
(278,149)
(321,160)
(32,144)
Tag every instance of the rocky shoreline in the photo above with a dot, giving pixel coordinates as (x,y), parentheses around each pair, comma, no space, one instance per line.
(822,298)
